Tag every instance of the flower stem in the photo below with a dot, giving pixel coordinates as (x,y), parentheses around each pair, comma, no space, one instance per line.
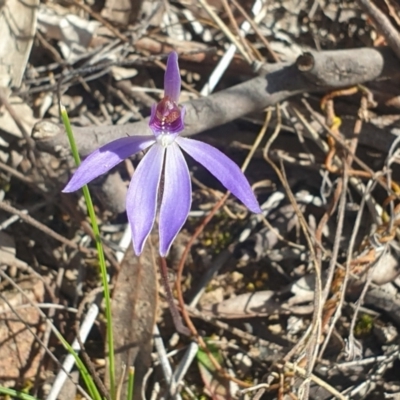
(176,317)
(131,377)
(100,252)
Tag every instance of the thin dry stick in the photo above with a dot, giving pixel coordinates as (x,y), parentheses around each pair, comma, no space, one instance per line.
(237,29)
(14,218)
(225,29)
(392,11)
(256,30)
(43,306)
(351,339)
(30,142)
(266,156)
(107,252)
(88,299)
(120,385)
(179,326)
(383,25)
(103,21)
(181,300)
(51,49)
(31,221)
(250,155)
(318,237)
(43,315)
(303,373)
(47,332)
(337,194)
(18,175)
(233,330)
(356,182)
(314,332)
(374,209)
(344,183)
(336,245)
(344,145)
(389,160)
(258,140)
(341,188)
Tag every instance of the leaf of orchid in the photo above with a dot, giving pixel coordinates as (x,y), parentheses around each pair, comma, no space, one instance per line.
(141,200)
(223,168)
(172,78)
(105,158)
(177,197)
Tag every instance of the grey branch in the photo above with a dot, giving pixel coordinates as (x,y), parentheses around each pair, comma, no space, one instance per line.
(312,72)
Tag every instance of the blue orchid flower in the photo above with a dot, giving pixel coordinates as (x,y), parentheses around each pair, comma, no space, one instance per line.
(163,158)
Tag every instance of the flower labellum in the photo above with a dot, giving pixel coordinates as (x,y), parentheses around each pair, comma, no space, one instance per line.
(164,157)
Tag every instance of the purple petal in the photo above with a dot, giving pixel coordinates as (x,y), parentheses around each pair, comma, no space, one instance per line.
(177,197)
(223,168)
(141,200)
(172,78)
(105,158)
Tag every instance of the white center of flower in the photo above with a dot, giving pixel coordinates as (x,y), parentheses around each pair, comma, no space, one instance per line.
(165,139)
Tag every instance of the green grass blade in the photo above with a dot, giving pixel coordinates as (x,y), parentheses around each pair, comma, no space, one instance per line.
(102,261)
(131,378)
(16,394)
(91,386)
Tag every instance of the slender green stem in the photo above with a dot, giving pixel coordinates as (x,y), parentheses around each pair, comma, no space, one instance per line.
(131,378)
(16,394)
(91,386)
(102,261)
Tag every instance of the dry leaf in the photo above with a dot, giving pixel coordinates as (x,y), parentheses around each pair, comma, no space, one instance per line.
(24,114)
(268,302)
(121,73)
(245,305)
(133,311)
(216,386)
(19,350)
(73,33)
(121,12)
(17,30)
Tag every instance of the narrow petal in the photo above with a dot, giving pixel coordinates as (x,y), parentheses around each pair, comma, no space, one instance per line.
(177,197)
(223,168)
(105,158)
(172,78)
(141,200)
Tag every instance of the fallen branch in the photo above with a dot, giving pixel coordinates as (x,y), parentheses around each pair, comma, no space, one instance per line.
(312,72)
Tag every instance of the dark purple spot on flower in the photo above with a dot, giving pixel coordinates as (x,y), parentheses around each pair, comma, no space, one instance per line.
(167,111)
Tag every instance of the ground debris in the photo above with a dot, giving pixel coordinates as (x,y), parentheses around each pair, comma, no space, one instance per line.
(301,301)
